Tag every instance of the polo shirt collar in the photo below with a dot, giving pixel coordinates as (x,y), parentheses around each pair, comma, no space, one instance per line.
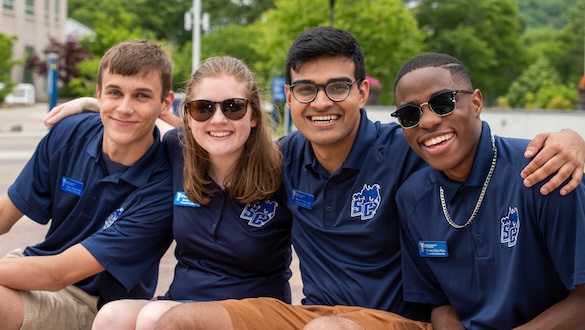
(139,173)
(365,139)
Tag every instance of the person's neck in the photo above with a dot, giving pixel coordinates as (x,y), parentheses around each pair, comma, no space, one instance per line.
(126,154)
(220,169)
(332,157)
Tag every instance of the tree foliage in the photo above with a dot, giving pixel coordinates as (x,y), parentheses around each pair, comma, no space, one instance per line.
(70,55)
(385,29)
(540,87)
(484,35)
(6,64)
(537,14)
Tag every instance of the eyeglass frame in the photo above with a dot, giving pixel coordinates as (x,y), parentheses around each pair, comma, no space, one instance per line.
(396,113)
(211,111)
(324,87)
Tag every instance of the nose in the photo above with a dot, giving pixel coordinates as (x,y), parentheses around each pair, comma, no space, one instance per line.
(428,118)
(321,100)
(125,105)
(217,115)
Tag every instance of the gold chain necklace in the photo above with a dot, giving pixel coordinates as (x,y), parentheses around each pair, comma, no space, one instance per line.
(481,195)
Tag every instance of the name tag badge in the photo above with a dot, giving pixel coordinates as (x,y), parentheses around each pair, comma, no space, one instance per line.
(181,199)
(72,186)
(433,249)
(302,199)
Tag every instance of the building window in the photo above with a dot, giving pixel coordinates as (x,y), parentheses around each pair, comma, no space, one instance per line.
(29,7)
(47,9)
(57,2)
(8,4)
(28,72)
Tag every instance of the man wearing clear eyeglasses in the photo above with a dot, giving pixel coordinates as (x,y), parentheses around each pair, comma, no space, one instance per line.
(341,172)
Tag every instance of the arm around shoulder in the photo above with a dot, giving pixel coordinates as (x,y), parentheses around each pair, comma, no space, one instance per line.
(562,153)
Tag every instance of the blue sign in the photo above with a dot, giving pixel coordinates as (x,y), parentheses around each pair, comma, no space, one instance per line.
(278,89)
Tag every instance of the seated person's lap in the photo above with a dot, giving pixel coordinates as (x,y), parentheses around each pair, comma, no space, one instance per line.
(274,314)
(70,308)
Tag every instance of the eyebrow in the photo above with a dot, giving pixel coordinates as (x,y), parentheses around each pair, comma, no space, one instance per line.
(308,81)
(137,90)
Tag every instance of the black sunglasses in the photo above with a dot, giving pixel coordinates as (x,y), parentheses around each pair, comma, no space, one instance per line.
(441,104)
(202,110)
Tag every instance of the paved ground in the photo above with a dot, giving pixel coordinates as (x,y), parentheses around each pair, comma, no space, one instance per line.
(21,128)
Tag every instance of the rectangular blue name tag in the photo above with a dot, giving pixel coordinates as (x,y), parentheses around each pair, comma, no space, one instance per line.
(72,186)
(433,249)
(181,199)
(302,199)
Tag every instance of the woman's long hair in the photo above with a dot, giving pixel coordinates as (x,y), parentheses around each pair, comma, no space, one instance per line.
(258,171)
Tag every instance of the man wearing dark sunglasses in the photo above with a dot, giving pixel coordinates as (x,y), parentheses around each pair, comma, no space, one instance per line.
(476,243)
(341,172)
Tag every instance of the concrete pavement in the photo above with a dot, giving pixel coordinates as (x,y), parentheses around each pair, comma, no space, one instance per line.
(21,128)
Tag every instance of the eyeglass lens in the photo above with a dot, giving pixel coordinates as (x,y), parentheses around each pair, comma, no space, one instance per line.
(442,104)
(202,110)
(335,90)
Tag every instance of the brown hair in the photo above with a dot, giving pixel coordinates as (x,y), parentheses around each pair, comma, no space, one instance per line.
(258,172)
(134,57)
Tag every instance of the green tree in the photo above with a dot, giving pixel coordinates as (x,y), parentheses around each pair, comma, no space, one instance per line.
(571,65)
(385,29)
(540,86)
(6,64)
(536,14)
(484,35)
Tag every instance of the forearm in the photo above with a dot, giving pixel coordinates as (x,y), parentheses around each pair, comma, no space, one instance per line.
(29,273)
(171,119)
(566,314)
(445,318)
(50,273)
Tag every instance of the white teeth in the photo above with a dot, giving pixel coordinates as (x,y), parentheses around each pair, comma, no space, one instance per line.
(328,118)
(219,134)
(438,139)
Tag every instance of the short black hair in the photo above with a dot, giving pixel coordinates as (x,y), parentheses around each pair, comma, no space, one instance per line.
(322,41)
(435,60)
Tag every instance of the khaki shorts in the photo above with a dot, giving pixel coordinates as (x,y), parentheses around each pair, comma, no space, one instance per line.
(69,308)
(268,313)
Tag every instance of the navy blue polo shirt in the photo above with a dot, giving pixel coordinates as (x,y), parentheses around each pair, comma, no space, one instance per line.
(345,225)
(522,253)
(227,249)
(122,219)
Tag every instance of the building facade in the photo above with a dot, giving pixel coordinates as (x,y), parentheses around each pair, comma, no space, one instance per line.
(33,22)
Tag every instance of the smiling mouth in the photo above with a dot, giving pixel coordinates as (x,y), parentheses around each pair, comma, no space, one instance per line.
(324,119)
(438,140)
(219,134)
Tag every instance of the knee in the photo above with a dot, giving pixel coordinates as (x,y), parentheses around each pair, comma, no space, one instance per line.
(332,322)
(175,318)
(106,317)
(151,313)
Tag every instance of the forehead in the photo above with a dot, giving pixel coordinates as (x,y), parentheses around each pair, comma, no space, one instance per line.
(322,69)
(219,88)
(142,80)
(423,82)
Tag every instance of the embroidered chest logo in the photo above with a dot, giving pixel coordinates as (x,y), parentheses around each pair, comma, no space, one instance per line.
(260,213)
(510,227)
(366,202)
(113,217)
